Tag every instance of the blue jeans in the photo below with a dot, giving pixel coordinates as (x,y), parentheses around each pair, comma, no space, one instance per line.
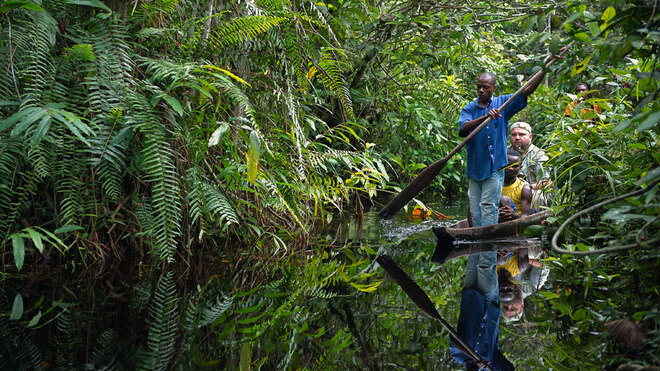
(485,199)
(480,275)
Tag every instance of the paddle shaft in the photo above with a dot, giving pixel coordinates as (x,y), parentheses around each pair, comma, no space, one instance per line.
(419,297)
(431,171)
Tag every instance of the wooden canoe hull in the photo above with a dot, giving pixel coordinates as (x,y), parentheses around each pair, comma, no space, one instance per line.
(447,248)
(460,231)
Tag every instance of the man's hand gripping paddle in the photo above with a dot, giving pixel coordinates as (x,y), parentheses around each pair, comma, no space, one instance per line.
(428,174)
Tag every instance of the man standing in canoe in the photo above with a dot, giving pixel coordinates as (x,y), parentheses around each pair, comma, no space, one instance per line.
(480,304)
(487,150)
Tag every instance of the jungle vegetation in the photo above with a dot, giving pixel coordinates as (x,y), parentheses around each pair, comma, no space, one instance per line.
(170,169)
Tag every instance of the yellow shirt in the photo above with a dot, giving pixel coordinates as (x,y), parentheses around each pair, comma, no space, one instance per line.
(511,265)
(514,191)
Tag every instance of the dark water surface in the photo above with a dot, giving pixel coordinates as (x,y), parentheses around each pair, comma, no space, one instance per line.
(331,308)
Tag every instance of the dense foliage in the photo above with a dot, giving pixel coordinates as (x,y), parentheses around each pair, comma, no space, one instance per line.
(169,170)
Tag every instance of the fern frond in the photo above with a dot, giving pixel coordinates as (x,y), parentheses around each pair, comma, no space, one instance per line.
(158,165)
(282,194)
(108,155)
(212,311)
(11,161)
(30,62)
(105,351)
(331,75)
(67,343)
(141,296)
(162,326)
(69,172)
(244,29)
(218,206)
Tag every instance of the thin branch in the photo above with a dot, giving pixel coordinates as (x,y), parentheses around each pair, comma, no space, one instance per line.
(555,237)
(655,4)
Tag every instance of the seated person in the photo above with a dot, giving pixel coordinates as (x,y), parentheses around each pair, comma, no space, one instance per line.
(515,189)
(506,209)
(582,91)
(533,158)
(516,262)
(511,297)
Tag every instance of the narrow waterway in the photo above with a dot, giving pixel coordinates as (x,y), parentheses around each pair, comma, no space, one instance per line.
(336,303)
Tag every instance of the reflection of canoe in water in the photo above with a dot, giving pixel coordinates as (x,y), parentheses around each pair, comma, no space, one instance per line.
(512,228)
(446,248)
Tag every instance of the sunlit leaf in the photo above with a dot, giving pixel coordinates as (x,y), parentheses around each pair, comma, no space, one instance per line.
(218,134)
(593,28)
(580,66)
(246,358)
(366,288)
(228,73)
(253,155)
(608,15)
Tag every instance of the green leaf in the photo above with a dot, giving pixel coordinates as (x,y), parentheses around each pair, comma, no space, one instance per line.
(608,15)
(174,103)
(10,5)
(582,36)
(68,228)
(34,114)
(36,239)
(34,320)
(19,249)
(554,44)
(651,120)
(647,120)
(246,358)
(253,157)
(92,3)
(534,230)
(17,308)
(593,28)
(218,134)
(580,66)
(41,131)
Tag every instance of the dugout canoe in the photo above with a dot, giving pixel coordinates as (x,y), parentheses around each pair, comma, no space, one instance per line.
(512,228)
(448,248)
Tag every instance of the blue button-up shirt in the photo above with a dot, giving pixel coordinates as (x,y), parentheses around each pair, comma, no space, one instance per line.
(487,150)
(478,325)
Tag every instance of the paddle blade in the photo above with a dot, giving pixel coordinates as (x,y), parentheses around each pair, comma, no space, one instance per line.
(444,246)
(412,189)
(414,292)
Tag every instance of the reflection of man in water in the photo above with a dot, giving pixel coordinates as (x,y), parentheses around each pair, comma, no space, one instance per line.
(510,295)
(478,321)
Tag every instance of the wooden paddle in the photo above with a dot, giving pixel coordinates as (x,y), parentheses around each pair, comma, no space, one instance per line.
(427,175)
(419,297)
